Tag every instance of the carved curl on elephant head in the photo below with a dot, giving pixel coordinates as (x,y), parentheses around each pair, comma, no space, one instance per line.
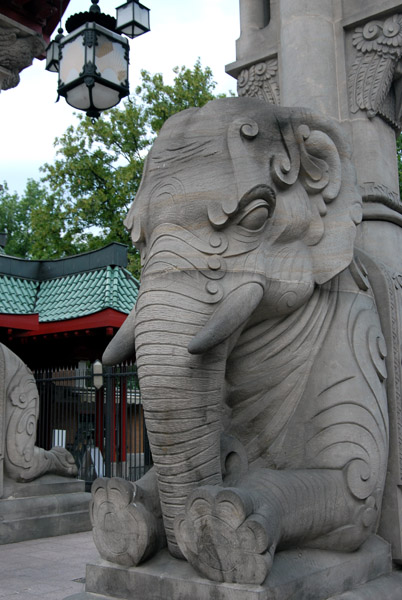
(19,412)
(259,350)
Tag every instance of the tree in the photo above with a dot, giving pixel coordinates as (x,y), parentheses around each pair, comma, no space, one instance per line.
(190,88)
(83,196)
(15,217)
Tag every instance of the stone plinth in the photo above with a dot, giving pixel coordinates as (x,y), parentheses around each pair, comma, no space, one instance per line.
(49,506)
(303,574)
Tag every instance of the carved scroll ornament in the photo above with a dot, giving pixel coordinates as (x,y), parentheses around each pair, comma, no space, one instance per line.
(19,411)
(375,76)
(260,81)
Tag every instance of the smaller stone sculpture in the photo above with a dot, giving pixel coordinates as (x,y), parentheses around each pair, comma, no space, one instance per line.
(20,459)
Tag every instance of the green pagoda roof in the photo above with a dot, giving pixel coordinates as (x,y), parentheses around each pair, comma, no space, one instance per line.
(68,288)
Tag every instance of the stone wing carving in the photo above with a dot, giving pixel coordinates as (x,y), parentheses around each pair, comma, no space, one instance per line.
(260,81)
(378,51)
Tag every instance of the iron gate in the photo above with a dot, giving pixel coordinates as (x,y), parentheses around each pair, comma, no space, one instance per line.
(98,419)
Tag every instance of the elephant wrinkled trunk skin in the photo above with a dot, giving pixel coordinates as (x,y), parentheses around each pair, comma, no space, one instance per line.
(181,396)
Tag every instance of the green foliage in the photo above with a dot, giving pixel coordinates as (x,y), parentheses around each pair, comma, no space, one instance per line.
(83,196)
(190,88)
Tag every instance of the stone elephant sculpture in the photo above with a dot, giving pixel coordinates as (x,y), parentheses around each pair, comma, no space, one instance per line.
(20,459)
(259,348)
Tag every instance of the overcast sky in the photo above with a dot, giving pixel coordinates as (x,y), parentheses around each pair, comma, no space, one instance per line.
(181,31)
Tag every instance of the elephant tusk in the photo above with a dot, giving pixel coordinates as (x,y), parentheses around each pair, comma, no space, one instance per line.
(122,346)
(234,311)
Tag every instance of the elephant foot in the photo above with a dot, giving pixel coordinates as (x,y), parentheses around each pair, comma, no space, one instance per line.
(224,538)
(62,462)
(124,531)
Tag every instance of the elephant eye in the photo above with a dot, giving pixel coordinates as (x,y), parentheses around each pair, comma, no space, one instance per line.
(256,216)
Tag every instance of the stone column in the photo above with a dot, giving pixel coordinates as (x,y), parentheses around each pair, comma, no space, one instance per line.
(307,56)
(253,14)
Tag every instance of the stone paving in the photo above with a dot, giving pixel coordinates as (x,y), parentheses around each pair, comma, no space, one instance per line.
(46,569)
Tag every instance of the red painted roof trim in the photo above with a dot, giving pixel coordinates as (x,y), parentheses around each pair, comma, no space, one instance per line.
(41,16)
(27,322)
(105,318)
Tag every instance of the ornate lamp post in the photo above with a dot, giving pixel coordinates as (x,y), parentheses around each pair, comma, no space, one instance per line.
(92,60)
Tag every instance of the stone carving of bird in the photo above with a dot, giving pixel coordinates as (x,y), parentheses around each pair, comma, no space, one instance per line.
(375,83)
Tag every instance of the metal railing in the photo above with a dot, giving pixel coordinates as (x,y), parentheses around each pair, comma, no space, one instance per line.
(98,419)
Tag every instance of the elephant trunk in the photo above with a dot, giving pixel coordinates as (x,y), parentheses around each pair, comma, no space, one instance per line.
(181,395)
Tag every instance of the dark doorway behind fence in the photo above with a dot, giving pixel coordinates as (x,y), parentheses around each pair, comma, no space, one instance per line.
(103,427)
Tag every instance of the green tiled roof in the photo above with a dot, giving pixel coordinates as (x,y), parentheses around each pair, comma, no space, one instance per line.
(17,296)
(85,293)
(71,296)
(67,288)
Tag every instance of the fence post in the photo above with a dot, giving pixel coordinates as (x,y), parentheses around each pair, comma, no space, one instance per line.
(109,429)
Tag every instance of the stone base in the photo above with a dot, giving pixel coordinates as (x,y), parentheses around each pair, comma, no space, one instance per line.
(296,574)
(50,506)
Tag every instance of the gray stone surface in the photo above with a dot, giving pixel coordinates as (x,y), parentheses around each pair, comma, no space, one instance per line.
(46,568)
(338,57)
(20,460)
(389,588)
(38,495)
(19,45)
(45,485)
(49,506)
(297,574)
(255,316)
(267,327)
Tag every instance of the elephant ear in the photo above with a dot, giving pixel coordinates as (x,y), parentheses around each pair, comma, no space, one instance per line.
(327,175)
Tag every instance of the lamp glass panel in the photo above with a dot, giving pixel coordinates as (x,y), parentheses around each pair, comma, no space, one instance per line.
(137,31)
(104,97)
(52,57)
(110,60)
(72,60)
(79,97)
(124,15)
(141,15)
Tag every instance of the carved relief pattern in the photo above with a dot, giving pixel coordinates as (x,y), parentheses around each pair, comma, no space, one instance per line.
(21,426)
(374,79)
(260,81)
(239,328)
(2,418)
(20,405)
(17,50)
(361,438)
(372,192)
(394,282)
(124,531)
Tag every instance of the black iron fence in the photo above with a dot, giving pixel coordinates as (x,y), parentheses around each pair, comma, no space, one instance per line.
(96,414)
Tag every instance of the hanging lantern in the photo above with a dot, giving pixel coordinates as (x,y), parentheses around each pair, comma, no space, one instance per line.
(92,60)
(132,19)
(93,63)
(52,53)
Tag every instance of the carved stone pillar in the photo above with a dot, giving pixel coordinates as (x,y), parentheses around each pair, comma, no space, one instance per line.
(308,59)
(340,57)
